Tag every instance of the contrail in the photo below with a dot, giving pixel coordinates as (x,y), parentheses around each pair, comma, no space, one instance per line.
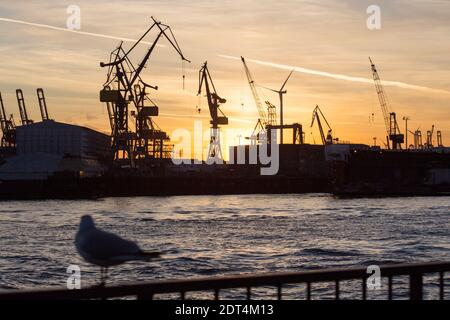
(98,35)
(339,76)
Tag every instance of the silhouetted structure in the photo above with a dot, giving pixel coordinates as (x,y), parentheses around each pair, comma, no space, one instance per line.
(217,116)
(124,86)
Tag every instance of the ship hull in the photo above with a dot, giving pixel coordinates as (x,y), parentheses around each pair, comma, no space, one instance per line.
(110,186)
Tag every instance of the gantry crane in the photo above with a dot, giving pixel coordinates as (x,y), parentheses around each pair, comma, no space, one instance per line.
(217,116)
(121,89)
(317,113)
(439,138)
(42,104)
(390,119)
(417,138)
(264,120)
(430,137)
(8,127)
(22,108)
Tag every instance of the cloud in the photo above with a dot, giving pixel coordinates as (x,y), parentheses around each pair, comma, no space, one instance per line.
(340,76)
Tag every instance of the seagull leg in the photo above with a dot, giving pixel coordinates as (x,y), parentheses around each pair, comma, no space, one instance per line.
(106,273)
(102,276)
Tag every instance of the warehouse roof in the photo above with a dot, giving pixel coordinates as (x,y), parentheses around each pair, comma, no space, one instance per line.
(53,123)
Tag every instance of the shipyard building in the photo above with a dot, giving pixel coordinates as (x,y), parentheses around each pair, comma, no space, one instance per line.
(47,148)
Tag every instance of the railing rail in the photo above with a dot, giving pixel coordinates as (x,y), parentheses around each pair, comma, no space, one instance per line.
(277,280)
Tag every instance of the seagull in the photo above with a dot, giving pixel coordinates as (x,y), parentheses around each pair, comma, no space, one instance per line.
(106,249)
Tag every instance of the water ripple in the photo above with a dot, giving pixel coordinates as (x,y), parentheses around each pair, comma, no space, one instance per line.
(220,235)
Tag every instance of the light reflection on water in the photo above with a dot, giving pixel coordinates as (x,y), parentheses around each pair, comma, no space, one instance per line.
(215,235)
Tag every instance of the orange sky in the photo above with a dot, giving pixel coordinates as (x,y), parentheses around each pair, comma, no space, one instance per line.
(327,36)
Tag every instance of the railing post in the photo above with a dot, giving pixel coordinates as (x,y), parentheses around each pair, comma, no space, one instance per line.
(364,288)
(415,286)
(390,288)
(308,291)
(336,297)
(216,294)
(279,294)
(144,296)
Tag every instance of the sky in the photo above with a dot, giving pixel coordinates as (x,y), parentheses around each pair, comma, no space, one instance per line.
(327,42)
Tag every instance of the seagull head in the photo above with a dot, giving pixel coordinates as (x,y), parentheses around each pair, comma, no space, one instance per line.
(87,223)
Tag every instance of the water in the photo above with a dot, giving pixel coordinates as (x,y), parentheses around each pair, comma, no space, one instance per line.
(217,235)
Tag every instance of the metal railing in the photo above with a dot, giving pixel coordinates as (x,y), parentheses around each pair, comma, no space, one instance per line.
(148,290)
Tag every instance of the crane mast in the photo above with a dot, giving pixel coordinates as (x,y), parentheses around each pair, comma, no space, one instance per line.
(439,138)
(42,104)
(2,115)
(390,118)
(8,127)
(263,118)
(430,137)
(217,116)
(22,108)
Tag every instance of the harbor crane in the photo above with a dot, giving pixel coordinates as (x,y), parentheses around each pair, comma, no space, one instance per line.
(406,119)
(267,122)
(417,138)
(439,138)
(217,116)
(8,127)
(22,108)
(317,113)
(430,137)
(390,118)
(124,86)
(264,119)
(42,104)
